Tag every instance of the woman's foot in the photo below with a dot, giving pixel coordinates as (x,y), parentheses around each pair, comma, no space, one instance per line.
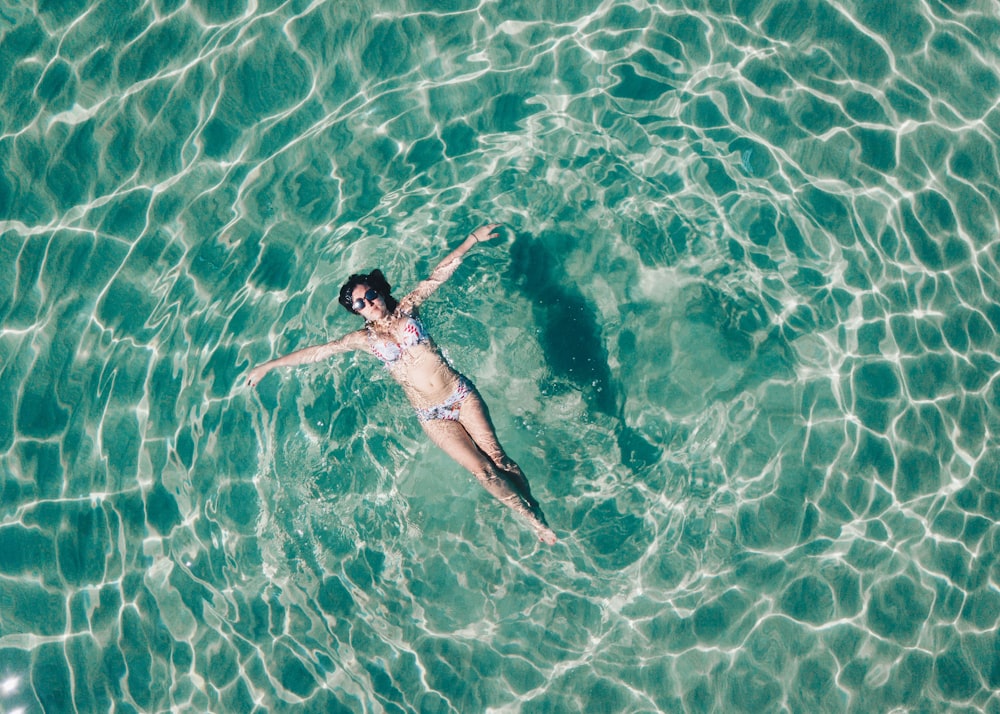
(545,534)
(542,530)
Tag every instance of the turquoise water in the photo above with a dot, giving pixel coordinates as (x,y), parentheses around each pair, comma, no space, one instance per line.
(740,333)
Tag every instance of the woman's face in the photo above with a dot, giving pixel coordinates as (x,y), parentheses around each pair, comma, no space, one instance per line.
(368,302)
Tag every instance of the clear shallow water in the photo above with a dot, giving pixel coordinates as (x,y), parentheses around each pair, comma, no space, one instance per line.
(741,335)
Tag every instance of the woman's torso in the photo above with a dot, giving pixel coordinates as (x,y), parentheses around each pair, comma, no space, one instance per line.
(413,359)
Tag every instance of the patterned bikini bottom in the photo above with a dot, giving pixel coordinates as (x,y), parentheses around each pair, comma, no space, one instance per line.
(450,407)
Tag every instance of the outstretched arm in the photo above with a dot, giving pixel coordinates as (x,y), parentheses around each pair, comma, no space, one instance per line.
(316,353)
(446,267)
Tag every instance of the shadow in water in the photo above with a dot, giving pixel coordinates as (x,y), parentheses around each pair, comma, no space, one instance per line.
(570,335)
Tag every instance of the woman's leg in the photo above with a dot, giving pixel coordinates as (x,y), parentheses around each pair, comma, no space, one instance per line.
(455,441)
(475,417)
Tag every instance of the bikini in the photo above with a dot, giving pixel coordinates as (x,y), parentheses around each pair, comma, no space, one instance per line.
(391,352)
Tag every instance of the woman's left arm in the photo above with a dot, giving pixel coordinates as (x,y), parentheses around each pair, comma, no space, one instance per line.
(446,267)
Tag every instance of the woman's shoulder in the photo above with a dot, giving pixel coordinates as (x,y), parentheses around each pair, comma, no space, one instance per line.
(399,321)
(405,308)
(402,316)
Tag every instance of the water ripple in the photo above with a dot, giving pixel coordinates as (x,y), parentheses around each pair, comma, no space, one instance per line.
(742,337)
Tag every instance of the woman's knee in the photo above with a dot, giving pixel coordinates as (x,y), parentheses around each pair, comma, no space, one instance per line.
(497,482)
(507,464)
(488,474)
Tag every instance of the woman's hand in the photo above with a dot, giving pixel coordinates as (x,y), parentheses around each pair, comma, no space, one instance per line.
(485,232)
(257,374)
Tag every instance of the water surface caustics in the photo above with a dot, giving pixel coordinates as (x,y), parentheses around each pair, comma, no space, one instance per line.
(741,334)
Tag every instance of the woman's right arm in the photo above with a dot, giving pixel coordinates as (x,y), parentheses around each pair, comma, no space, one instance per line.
(446,267)
(317,353)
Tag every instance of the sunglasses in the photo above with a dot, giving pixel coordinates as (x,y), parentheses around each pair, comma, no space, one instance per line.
(371,296)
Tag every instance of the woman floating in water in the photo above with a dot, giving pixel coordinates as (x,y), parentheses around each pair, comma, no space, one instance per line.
(448,406)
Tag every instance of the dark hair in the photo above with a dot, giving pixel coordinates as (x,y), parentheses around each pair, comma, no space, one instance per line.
(374,279)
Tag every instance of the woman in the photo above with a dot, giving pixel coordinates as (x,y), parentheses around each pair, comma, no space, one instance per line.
(448,406)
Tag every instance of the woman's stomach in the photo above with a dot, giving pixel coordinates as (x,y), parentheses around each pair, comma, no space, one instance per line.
(425,376)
